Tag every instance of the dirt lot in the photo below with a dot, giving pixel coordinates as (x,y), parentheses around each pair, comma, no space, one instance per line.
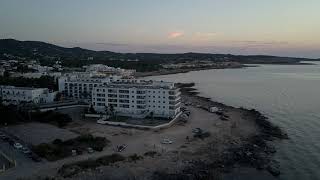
(181,151)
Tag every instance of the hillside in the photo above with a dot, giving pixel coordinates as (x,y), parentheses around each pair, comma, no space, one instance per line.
(14,49)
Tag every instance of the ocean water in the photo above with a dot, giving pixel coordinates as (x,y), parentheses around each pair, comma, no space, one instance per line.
(288,94)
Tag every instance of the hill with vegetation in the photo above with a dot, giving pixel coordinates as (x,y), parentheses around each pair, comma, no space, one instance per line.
(76,57)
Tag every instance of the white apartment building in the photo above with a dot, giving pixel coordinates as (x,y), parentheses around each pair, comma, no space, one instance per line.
(56,75)
(17,95)
(138,98)
(107,70)
(80,85)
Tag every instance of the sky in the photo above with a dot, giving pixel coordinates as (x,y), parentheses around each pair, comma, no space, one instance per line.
(273,27)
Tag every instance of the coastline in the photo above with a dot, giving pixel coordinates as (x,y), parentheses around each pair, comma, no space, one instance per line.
(239,140)
(186,70)
(254,152)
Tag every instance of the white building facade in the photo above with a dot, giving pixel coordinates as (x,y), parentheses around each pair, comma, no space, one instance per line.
(17,95)
(107,70)
(138,98)
(80,85)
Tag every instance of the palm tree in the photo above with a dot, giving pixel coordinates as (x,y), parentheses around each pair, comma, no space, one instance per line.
(106,109)
(152,115)
(113,112)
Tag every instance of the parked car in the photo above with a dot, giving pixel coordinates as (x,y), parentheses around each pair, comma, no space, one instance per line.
(197,130)
(4,137)
(166,141)
(102,122)
(26,150)
(90,150)
(74,152)
(17,145)
(121,147)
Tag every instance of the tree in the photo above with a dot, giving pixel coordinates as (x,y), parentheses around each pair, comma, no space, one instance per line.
(91,109)
(112,111)
(152,115)
(106,109)
(58,97)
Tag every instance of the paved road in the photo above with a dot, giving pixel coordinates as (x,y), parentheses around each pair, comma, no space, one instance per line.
(4,161)
(22,161)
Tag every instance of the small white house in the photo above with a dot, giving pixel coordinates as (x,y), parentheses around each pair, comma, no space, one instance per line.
(17,95)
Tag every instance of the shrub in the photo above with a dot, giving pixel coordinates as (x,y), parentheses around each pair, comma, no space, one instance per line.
(135,157)
(57,142)
(110,159)
(151,153)
(59,149)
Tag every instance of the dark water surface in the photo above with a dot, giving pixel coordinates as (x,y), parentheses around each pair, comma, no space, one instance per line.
(288,94)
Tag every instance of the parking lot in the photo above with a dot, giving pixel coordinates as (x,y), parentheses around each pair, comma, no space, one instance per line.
(4,162)
(37,133)
(16,150)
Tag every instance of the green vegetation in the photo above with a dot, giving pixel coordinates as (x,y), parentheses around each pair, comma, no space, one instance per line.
(135,158)
(47,54)
(51,117)
(59,149)
(11,115)
(151,154)
(69,170)
(42,82)
(139,66)
(118,118)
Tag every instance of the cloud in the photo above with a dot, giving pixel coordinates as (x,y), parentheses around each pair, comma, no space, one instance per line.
(175,34)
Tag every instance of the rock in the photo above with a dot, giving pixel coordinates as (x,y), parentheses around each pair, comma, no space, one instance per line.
(274,168)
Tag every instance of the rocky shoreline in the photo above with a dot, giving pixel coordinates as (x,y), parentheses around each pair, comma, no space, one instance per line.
(254,152)
(176,71)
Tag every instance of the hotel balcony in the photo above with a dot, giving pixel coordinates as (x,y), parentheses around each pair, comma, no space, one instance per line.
(174,98)
(141,92)
(176,101)
(141,97)
(175,92)
(141,102)
(141,106)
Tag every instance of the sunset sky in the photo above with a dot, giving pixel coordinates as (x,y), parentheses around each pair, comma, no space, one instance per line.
(275,27)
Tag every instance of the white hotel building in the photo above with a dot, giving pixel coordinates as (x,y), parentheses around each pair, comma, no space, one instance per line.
(138,98)
(80,85)
(17,95)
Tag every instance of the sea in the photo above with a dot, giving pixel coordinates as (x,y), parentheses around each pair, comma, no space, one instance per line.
(289,95)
